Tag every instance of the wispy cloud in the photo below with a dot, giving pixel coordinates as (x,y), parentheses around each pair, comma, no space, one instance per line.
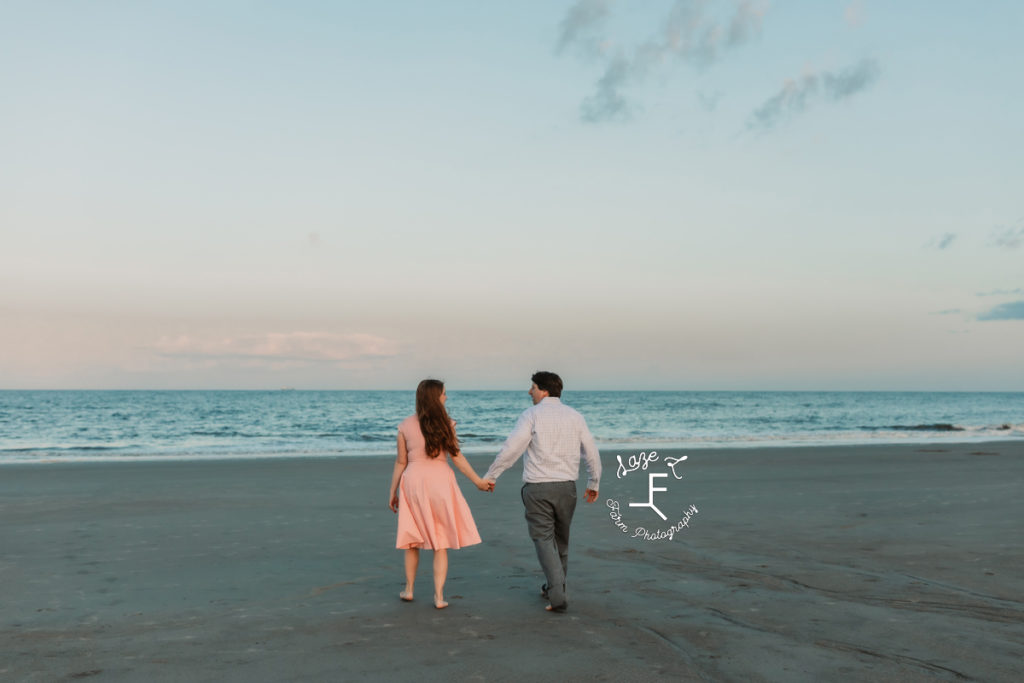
(608,103)
(948,311)
(1002,292)
(301,347)
(853,15)
(582,26)
(943,241)
(1009,238)
(694,32)
(1008,311)
(796,95)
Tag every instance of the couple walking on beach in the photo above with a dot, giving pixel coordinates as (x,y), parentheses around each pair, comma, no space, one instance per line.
(432,512)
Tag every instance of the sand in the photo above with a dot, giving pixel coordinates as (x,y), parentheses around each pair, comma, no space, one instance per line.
(876,563)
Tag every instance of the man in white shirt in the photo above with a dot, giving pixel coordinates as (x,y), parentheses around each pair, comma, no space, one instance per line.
(554,436)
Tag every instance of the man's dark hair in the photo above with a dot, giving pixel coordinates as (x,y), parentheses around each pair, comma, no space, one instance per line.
(549,382)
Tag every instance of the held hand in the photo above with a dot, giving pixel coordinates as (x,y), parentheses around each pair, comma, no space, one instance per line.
(590,495)
(393,504)
(490,484)
(485,485)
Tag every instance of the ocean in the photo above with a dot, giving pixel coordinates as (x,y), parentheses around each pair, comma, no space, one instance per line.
(55,426)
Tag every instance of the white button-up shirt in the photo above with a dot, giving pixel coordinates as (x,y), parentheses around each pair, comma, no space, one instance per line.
(554,437)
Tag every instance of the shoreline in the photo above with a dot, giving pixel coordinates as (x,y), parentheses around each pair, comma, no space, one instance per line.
(849,563)
(606,450)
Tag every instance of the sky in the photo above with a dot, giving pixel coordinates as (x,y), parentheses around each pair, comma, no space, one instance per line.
(636,194)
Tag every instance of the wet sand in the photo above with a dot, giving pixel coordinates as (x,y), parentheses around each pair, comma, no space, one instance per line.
(867,563)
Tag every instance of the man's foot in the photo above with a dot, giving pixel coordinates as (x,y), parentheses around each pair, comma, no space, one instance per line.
(406,596)
(557,608)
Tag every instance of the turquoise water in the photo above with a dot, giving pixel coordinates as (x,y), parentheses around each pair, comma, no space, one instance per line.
(62,425)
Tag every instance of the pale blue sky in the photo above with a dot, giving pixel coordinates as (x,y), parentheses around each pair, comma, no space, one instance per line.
(636,194)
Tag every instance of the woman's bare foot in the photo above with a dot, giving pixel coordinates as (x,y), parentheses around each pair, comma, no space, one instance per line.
(439,603)
(406,596)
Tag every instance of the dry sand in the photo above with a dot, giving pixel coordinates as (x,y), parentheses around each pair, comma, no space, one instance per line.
(878,563)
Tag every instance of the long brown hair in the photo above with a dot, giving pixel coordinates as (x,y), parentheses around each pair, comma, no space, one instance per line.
(434,421)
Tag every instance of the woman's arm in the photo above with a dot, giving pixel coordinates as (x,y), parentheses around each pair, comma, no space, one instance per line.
(462,465)
(401,461)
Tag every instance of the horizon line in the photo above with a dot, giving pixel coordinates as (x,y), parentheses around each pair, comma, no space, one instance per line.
(412,390)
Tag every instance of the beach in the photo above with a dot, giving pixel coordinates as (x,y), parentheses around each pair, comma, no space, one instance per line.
(851,563)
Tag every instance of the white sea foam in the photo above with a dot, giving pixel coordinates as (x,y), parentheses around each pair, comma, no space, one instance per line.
(142,426)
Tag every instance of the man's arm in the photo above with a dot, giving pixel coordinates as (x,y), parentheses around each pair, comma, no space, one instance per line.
(513,447)
(592,457)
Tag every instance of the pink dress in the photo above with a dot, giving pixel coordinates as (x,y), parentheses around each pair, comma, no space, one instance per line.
(431,510)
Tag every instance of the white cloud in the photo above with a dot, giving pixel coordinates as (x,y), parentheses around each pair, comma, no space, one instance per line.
(1011,238)
(696,32)
(1012,310)
(798,94)
(582,24)
(307,347)
(941,242)
(854,13)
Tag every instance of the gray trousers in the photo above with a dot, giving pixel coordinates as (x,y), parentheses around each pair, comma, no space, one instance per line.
(549,510)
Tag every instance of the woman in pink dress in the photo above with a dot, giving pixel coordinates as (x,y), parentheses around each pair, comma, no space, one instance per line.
(431,510)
